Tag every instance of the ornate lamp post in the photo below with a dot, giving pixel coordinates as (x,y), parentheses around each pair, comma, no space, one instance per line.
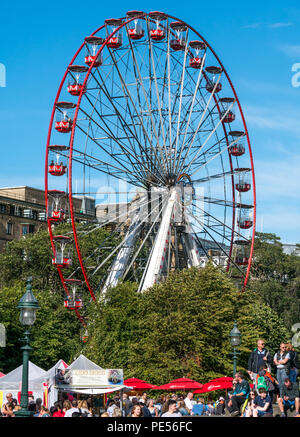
(28,306)
(235,340)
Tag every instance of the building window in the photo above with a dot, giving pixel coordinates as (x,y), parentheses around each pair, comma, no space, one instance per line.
(9,228)
(27,229)
(2,208)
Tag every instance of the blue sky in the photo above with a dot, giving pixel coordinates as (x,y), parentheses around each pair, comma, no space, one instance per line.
(258,43)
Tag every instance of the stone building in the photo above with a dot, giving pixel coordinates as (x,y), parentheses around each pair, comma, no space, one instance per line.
(23,211)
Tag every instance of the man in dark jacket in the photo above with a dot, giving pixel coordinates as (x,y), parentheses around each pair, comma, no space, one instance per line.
(258,357)
(289,397)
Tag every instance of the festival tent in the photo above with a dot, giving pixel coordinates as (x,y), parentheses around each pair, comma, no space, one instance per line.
(83,363)
(47,382)
(12,382)
(139,384)
(180,384)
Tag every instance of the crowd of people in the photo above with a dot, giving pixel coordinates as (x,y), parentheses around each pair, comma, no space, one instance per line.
(268,388)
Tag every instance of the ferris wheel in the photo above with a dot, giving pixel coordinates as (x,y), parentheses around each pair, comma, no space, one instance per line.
(146,110)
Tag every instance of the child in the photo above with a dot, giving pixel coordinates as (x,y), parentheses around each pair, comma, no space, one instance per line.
(262,404)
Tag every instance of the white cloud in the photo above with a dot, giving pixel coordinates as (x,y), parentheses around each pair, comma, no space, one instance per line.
(276,25)
(292,50)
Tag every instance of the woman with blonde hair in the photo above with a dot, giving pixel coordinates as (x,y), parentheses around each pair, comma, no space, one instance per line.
(83,406)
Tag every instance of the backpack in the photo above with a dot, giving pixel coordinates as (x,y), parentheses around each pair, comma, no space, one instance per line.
(262,383)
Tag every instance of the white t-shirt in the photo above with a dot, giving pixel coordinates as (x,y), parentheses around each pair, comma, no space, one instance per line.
(188,403)
(167,414)
(71,411)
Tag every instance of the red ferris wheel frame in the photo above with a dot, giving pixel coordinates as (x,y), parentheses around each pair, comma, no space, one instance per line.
(75,236)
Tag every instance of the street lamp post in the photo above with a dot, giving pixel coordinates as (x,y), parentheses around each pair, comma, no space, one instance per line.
(235,340)
(28,306)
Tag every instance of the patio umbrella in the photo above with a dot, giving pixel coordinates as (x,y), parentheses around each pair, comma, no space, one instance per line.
(1,374)
(222,378)
(214,385)
(180,384)
(138,384)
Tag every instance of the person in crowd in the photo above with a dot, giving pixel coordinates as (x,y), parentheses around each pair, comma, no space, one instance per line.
(265,379)
(289,397)
(136,411)
(146,412)
(152,408)
(59,409)
(38,404)
(220,407)
(8,410)
(127,404)
(165,405)
(73,409)
(257,358)
(9,400)
(248,412)
(172,410)
(66,406)
(199,408)
(181,407)
(117,412)
(210,407)
(44,412)
(238,397)
(262,404)
(158,404)
(174,397)
(144,398)
(105,414)
(282,362)
(83,406)
(188,401)
(294,362)
(110,407)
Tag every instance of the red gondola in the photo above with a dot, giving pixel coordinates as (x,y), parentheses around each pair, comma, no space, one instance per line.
(197,49)
(135,29)
(75,86)
(179,42)
(116,40)
(57,160)
(157,31)
(64,121)
(212,76)
(226,113)
(93,44)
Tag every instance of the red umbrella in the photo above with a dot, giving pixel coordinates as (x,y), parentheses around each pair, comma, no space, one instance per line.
(1,374)
(214,385)
(138,384)
(181,384)
(222,378)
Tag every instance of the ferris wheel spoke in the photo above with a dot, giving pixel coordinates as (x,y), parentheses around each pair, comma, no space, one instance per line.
(157,165)
(215,156)
(217,243)
(209,136)
(125,125)
(199,79)
(119,171)
(220,223)
(158,102)
(124,240)
(126,153)
(180,102)
(140,81)
(200,122)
